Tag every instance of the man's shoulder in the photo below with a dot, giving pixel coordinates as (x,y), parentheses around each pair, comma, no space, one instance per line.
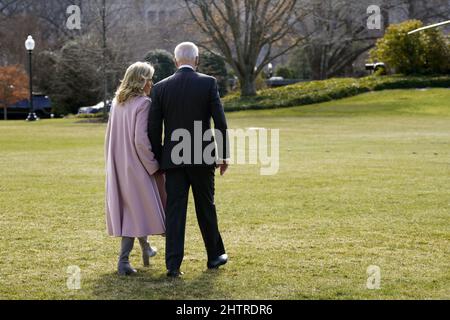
(206,77)
(205,81)
(196,76)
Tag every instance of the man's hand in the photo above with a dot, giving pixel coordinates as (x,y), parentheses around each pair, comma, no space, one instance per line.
(223,165)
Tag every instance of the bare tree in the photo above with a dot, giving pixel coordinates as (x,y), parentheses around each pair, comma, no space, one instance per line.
(247,33)
(427,11)
(10,7)
(106,15)
(338,35)
(14,29)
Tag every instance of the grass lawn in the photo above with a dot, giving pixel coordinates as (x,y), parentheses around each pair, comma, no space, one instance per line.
(363,181)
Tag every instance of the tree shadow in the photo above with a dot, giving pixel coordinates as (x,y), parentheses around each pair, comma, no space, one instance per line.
(152,284)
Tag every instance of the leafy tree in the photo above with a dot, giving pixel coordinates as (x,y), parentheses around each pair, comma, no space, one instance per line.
(163,62)
(424,52)
(285,72)
(13,86)
(73,76)
(77,81)
(44,69)
(214,65)
(299,64)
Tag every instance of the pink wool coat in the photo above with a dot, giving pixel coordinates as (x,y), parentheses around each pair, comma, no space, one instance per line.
(135,198)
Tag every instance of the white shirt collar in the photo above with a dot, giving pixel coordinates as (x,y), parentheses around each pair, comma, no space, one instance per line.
(186,66)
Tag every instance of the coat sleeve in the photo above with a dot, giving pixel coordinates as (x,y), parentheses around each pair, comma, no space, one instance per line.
(155,124)
(220,122)
(142,142)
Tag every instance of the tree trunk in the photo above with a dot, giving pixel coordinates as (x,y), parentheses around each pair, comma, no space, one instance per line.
(385,16)
(317,72)
(315,59)
(248,86)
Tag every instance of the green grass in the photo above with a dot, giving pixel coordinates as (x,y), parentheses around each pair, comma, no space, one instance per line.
(363,181)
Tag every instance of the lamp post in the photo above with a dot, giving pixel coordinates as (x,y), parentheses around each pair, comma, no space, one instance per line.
(270,68)
(29,45)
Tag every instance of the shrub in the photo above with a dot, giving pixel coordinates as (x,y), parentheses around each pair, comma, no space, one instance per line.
(327,90)
(424,52)
(285,72)
(260,82)
(89,116)
(299,64)
(215,66)
(73,77)
(75,81)
(164,64)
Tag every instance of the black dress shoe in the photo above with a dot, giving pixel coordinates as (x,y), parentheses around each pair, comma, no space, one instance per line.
(220,261)
(174,273)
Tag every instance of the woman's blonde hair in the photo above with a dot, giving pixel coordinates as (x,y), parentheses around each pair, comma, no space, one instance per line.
(134,81)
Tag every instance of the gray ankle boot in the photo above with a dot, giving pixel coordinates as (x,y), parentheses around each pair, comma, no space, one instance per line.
(147,251)
(124,267)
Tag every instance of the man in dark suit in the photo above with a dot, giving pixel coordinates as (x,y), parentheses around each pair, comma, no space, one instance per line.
(185,104)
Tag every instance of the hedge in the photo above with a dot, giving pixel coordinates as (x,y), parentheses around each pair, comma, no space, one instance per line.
(321,91)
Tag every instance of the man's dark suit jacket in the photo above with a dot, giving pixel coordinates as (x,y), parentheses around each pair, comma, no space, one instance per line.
(178,102)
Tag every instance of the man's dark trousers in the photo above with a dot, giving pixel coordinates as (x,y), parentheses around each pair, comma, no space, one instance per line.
(178,183)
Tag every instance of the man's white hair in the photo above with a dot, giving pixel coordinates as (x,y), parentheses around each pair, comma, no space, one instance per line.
(186,51)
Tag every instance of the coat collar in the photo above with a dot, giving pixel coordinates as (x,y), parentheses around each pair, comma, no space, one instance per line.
(185,69)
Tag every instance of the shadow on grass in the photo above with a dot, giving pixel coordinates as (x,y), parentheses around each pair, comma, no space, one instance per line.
(149,284)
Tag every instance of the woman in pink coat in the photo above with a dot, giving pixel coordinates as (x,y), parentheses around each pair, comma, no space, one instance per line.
(135,194)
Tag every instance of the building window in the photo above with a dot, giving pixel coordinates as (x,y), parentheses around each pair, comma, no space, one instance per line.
(152,17)
(162,16)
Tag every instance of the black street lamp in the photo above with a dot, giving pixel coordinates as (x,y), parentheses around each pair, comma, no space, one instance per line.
(29,45)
